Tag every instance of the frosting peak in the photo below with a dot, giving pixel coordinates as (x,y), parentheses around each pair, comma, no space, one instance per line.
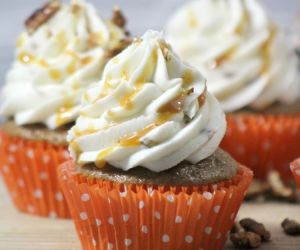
(62,52)
(149,109)
(238,49)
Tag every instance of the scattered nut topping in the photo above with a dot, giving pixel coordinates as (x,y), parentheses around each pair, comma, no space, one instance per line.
(118,18)
(251,225)
(273,188)
(257,189)
(114,51)
(277,186)
(247,233)
(245,240)
(291,227)
(76,8)
(41,15)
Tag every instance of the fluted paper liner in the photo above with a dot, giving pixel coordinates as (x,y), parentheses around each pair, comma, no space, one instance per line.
(295,168)
(29,170)
(263,142)
(109,215)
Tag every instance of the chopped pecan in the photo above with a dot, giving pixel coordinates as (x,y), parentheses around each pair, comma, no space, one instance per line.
(116,50)
(118,18)
(245,240)
(291,227)
(41,15)
(251,225)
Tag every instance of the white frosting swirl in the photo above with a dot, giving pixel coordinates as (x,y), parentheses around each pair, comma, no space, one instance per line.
(149,110)
(56,63)
(238,49)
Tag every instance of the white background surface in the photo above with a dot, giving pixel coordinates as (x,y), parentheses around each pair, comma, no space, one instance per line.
(142,15)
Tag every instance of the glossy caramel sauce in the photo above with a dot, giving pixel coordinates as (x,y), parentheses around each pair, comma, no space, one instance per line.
(20,41)
(75,147)
(25,57)
(243,24)
(55,74)
(132,140)
(100,162)
(63,114)
(187,77)
(173,106)
(192,19)
(266,51)
(95,39)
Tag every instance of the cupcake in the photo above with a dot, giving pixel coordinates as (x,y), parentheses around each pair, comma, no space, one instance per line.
(253,73)
(62,51)
(146,171)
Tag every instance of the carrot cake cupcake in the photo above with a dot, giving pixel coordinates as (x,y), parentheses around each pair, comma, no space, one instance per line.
(62,51)
(146,171)
(253,73)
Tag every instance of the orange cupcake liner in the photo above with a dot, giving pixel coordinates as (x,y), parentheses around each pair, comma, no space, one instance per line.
(263,142)
(109,215)
(29,170)
(295,168)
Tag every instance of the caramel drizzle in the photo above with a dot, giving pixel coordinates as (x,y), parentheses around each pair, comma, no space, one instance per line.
(131,140)
(218,62)
(63,114)
(266,49)
(165,113)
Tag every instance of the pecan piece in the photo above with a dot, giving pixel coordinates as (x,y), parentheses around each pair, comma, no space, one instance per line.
(41,15)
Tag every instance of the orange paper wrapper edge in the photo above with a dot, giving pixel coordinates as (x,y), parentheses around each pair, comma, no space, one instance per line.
(29,170)
(295,168)
(109,215)
(263,142)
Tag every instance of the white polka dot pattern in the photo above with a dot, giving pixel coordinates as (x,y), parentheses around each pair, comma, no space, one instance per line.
(110,246)
(38,194)
(128,242)
(178,219)
(85,197)
(217,209)
(125,217)
(98,222)
(165,238)
(170,198)
(111,220)
(188,239)
(144,229)
(30,174)
(59,196)
(157,215)
(83,216)
(208,230)
(141,204)
(207,195)
(30,154)
(165,218)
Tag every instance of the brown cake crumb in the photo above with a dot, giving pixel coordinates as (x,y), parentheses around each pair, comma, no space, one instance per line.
(41,15)
(291,227)
(248,233)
